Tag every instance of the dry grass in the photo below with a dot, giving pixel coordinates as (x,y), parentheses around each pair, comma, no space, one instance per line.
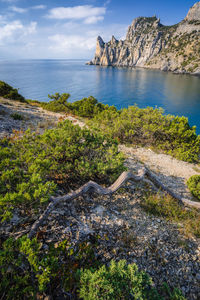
(3,112)
(196,169)
(166,206)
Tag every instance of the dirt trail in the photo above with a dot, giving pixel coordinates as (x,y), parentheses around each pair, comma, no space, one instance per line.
(171,171)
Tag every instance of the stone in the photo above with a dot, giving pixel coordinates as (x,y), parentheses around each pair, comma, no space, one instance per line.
(198,276)
(99,210)
(15,220)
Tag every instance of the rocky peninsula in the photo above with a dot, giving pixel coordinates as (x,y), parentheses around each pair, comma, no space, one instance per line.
(150,44)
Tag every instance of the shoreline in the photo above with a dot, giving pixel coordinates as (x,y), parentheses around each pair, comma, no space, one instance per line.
(143,67)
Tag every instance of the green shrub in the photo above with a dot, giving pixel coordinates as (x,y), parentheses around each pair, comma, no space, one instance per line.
(193,184)
(21,266)
(132,125)
(7,91)
(27,270)
(17,116)
(150,127)
(121,281)
(174,294)
(32,167)
(118,281)
(87,107)
(58,104)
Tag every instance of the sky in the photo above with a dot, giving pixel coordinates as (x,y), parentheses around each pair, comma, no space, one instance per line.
(67,29)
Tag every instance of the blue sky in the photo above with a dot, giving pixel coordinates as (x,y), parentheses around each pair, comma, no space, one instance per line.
(68,28)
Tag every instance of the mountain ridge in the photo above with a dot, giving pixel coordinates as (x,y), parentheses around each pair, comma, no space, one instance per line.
(150,44)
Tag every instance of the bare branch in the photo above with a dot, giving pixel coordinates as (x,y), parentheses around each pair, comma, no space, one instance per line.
(94,187)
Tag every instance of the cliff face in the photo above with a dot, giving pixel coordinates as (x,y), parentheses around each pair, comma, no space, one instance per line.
(150,44)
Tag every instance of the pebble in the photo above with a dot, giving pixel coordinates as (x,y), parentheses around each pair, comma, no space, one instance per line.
(198,276)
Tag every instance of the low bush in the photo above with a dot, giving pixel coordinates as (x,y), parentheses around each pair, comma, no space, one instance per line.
(27,271)
(150,127)
(145,127)
(118,281)
(122,281)
(17,116)
(132,125)
(87,107)
(193,184)
(34,166)
(58,103)
(7,91)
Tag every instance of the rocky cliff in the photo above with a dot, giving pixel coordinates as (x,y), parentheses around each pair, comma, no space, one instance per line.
(150,44)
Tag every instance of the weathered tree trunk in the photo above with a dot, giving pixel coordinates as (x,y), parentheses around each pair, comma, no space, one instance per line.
(94,187)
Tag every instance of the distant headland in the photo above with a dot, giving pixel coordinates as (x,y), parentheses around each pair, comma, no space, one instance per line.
(150,44)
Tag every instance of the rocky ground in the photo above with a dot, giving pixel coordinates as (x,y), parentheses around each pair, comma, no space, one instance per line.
(31,117)
(123,228)
(125,231)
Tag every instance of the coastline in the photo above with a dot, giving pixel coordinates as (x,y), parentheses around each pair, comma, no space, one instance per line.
(90,63)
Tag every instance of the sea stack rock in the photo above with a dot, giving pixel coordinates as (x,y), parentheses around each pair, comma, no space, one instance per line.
(99,50)
(150,44)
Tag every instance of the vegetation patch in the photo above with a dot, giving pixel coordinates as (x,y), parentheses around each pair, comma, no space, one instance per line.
(7,91)
(133,125)
(166,206)
(118,281)
(87,107)
(17,116)
(29,272)
(194,185)
(150,127)
(34,166)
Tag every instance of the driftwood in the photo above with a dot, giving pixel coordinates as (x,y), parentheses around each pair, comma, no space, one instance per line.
(93,186)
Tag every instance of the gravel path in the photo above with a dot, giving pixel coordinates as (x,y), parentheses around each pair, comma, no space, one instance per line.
(172,172)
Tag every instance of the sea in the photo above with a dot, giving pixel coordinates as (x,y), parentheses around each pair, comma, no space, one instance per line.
(122,87)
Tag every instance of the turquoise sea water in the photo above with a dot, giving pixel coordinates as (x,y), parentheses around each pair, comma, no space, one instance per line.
(177,94)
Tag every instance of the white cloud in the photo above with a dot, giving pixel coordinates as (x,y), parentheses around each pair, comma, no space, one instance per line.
(41,6)
(18,9)
(107,2)
(88,13)
(66,33)
(15,31)
(93,19)
(30,29)
(8,30)
(24,10)
(2,19)
(61,43)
